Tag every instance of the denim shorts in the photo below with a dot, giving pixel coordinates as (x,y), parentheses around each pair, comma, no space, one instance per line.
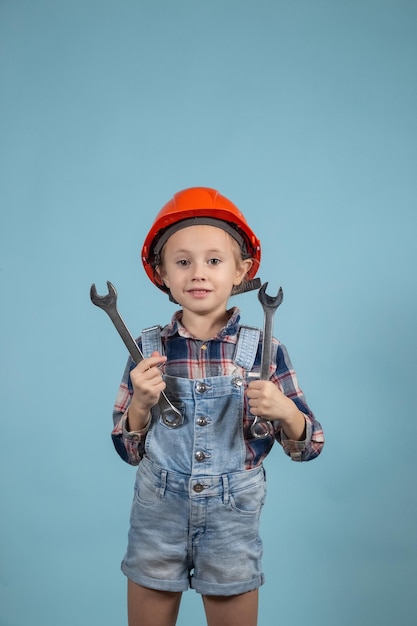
(201,533)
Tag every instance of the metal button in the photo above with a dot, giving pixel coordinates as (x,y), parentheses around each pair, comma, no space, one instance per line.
(202,421)
(201,387)
(199,456)
(237,381)
(198,488)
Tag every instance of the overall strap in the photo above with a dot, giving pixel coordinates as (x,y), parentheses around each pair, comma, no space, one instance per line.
(246,347)
(151,341)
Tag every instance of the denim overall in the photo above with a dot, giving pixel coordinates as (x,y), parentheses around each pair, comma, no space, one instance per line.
(195,513)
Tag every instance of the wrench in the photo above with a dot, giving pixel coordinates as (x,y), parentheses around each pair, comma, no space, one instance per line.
(171,416)
(261,427)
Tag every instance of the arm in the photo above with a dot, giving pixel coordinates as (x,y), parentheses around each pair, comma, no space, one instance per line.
(129,447)
(138,392)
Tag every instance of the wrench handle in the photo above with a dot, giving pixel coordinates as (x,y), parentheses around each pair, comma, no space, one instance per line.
(267,345)
(262,427)
(124,333)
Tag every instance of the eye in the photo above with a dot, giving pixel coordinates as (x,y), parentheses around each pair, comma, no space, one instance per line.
(182,263)
(214,261)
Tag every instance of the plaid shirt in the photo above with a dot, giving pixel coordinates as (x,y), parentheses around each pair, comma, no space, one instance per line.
(191,358)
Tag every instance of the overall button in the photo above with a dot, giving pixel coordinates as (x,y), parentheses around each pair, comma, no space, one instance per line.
(201,387)
(202,421)
(198,488)
(199,456)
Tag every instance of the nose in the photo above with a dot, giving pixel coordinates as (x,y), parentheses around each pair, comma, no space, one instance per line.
(198,271)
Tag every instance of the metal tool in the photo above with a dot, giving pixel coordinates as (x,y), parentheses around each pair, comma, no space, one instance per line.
(171,416)
(261,427)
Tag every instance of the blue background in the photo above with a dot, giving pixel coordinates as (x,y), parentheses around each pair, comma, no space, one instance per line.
(303,112)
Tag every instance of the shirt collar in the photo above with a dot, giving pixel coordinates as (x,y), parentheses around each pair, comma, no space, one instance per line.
(176,327)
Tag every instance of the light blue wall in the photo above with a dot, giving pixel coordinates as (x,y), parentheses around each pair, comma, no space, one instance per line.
(303,112)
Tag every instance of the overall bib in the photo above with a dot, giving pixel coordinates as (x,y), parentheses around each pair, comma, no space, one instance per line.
(195,513)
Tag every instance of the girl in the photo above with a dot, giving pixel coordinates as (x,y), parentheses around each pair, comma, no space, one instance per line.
(200,483)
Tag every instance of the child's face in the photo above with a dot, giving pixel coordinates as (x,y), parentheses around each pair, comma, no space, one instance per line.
(200,265)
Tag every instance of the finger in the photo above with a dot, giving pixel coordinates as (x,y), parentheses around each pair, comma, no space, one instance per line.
(256,385)
(253,408)
(156,359)
(156,353)
(151,376)
(253,392)
(150,362)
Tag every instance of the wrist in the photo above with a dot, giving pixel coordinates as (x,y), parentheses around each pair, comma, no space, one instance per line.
(137,418)
(143,428)
(138,434)
(294,424)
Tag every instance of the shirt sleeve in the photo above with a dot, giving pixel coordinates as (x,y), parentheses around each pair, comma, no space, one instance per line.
(286,379)
(129,445)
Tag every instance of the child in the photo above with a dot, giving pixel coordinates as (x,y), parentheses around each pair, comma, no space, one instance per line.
(200,483)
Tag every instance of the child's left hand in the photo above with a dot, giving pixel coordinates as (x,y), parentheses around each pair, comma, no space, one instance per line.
(267,401)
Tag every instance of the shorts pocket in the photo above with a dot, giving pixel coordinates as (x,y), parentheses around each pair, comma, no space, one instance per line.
(249,500)
(147,492)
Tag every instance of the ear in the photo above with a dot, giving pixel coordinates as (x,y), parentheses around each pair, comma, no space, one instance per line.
(162,275)
(242,270)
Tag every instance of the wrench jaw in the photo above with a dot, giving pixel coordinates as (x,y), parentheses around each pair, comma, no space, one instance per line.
(172,417)
(104,301)
(261,428)
(271,302)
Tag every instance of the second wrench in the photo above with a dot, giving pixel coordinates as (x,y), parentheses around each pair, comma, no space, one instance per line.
(261,427)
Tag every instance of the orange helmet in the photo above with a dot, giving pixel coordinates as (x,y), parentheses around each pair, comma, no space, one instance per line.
(198,205)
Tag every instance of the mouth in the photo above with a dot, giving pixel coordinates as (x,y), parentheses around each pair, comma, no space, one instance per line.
(198,293)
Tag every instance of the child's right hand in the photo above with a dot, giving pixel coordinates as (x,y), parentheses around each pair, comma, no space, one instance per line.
(147,385)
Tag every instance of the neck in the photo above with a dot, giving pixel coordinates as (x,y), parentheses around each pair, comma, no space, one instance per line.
(204,327)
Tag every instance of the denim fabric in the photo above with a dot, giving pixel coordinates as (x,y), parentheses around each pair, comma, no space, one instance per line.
(211,439)
(199,532)
(195,513)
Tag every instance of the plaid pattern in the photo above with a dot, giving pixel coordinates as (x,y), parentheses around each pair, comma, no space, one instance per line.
(190,358)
